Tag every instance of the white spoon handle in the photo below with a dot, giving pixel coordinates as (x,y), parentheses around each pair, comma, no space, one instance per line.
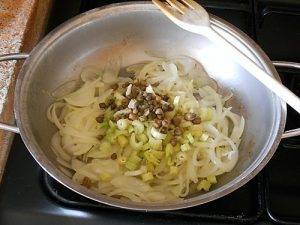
(280,90)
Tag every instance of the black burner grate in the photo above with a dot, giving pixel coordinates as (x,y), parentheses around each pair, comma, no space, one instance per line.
(250,207)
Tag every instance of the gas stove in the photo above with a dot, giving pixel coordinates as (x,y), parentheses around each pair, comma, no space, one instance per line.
(29,196)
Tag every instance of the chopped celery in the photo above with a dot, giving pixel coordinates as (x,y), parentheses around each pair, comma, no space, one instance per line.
(155,144)
(110,136)
(143,138)
(104,125)
(185,147)
(133,162)
(212,179)
(150,167)
(105,176)
(203,185)
(153,156)
(181,157)
(111,124)
(130,129)
(108,114)
(146,146)
(204,137)
(177,148)
(119,97)
(196,130)
(147,176)
(169,150)
(122,141)
(190,138)
(134,144)
(138,126)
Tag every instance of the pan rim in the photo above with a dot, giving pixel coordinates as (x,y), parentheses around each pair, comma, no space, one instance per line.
(82,19)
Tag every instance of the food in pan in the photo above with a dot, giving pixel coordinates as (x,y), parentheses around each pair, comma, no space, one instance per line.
(159,134)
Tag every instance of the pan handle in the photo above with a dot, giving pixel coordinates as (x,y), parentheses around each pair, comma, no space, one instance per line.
(292,65)
(14,56)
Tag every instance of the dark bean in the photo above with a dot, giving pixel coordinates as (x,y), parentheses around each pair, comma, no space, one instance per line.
(100,119)
(125,102)
(110,101)
(159,111)
(114,156)
(165,97)
(102,105)
(190,116)
(135,111)
(164,130)
(155,103)
(86,182)
(158,98)
(160,116)
(165,123)
(114,86)
(197,120)
(113,106)
(165,107)
(117,117)
(134,91)
(176,120)
(149,97)
(132,116)
(139,98)
(119,108)
(177,131)
(152,116)
(100,137)
(170,107)
(173,141)
(143,83)
(157,123)
(125,85)
(146,112)
(151,108)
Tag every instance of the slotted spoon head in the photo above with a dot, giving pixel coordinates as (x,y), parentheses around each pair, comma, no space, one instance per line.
(187,14)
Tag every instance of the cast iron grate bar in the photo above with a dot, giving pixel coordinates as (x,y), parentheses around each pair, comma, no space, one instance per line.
(249,210)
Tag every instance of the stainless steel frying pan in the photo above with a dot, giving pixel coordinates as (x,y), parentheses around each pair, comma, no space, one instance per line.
(128,31)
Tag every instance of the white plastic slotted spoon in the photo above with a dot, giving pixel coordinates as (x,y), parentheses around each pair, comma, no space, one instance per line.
(192,17)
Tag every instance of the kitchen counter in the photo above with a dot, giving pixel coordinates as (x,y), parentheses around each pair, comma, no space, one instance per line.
(22,24)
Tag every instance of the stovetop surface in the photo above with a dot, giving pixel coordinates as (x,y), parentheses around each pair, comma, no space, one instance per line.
(29,196)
